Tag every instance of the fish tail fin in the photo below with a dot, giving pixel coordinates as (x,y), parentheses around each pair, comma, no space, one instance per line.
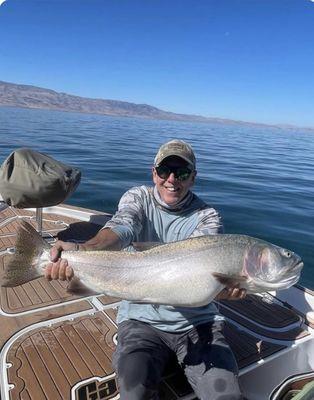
(24,263)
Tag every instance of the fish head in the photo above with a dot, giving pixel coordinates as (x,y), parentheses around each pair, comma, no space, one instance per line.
(271,267)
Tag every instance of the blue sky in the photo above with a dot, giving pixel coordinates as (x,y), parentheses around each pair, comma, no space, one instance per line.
(240,59)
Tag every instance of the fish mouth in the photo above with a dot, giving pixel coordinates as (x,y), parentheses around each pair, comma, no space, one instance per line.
(298,266)
(294,274)
(292,280)
(284,284)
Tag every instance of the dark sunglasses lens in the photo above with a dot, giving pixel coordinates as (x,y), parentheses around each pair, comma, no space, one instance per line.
(181,173)
(163,172)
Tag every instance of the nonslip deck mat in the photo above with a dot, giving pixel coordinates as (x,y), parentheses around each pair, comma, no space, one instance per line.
(290,333)
(50,363)
(10,325)
(265,313)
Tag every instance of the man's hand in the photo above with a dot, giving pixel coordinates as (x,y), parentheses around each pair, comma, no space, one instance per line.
(231,293)
(59,268)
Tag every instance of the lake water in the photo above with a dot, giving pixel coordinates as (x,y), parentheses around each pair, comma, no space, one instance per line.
(261,179)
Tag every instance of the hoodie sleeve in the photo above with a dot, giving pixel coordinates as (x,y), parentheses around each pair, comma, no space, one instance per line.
(127,222)
(209,223)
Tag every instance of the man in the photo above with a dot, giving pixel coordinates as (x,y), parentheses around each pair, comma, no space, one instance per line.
(149,334)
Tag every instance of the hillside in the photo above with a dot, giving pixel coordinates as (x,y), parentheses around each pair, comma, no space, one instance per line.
(28,96)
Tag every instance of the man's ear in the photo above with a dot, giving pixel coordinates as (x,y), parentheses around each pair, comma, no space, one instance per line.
(194,173)
(154,175)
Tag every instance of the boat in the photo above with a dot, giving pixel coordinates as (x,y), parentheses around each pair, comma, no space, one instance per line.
(59,346)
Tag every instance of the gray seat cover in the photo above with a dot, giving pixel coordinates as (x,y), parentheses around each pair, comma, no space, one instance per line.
(32,179)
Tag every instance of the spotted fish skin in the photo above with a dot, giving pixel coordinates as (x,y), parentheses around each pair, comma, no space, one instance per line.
(187,273)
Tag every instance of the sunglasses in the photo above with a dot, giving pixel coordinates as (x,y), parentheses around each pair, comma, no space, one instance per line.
(180,173)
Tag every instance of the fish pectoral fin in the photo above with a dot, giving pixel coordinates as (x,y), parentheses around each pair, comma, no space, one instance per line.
(77,287)
(143,246)
(229,280)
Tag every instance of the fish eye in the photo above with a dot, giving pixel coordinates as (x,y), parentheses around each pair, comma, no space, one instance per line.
(287,253)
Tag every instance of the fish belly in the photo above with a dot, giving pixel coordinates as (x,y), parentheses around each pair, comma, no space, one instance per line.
(178,282)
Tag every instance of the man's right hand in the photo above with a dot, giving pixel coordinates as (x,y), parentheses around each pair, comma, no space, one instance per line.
(59,267)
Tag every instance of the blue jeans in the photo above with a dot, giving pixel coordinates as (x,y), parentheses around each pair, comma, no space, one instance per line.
(206,358)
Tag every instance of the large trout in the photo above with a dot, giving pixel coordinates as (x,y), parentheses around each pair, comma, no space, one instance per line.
(187,273)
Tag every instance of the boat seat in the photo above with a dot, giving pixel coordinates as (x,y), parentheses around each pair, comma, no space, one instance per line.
(29,179)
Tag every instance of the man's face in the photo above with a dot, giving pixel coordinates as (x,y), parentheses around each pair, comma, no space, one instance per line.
(171,189)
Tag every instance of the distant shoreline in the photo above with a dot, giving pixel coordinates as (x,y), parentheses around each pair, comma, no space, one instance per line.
(33,97)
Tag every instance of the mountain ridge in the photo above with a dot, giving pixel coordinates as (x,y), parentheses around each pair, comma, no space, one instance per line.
(30,96)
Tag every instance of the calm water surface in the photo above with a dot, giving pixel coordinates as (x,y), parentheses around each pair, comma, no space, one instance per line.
(260,179)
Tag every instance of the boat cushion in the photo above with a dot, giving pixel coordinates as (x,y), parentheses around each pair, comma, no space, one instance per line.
(32,179)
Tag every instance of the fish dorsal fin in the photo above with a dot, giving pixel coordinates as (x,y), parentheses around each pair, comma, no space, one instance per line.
(143,246)
(77,287)
(229,280)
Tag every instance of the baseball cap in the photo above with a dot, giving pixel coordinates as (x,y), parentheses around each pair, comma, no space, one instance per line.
(177,148)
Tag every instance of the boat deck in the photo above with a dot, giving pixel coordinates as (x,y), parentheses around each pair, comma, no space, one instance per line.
(58,346)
